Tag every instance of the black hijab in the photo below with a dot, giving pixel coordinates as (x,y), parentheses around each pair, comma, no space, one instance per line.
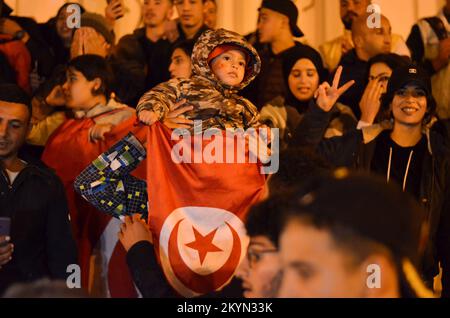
(301,52)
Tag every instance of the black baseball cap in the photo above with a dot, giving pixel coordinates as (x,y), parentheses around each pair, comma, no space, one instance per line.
(410,74)
(5,10)
(287,8)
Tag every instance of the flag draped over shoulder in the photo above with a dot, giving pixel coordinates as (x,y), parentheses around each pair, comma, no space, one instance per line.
(68,152)
(197,210)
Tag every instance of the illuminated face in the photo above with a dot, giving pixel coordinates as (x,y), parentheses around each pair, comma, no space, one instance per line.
(409,105)
(180,67)
(229,67)
(382,72)
(259,272)
(210,14)
(190,12)
(269,25)
(156,12)
(313,267)
(378,40)
(303,80)
(14,128)
(78,90)
(351,9)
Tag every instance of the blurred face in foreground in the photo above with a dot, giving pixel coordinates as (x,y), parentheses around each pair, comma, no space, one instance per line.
(314,266)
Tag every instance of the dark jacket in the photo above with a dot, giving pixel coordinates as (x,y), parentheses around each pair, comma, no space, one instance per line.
(151,282)
(154,55)
(354,69)
(356,149)
(183,37)
(40,228)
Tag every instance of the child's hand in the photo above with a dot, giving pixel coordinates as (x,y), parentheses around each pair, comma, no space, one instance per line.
(98,132)
(147,117)
(134,230)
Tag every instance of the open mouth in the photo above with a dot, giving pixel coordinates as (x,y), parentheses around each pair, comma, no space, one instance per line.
(234,75)
(3,144)
(409,110)
(303,90)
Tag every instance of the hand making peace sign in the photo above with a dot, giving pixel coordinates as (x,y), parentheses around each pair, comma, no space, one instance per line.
(326,95)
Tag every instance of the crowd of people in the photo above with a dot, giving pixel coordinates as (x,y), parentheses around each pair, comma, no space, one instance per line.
(364,153)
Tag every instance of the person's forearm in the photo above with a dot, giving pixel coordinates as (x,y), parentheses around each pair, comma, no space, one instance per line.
(147,274)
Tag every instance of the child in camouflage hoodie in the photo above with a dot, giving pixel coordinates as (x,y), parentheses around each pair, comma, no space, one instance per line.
(223,63)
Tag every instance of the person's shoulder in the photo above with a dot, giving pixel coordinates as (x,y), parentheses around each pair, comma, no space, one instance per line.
(276,102)
(43,173)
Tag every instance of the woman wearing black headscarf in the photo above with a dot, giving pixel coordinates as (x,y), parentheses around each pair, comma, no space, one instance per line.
(58,35)
(303,72)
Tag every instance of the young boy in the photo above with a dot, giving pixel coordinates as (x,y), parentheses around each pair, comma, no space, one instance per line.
(88,92)
(223,63)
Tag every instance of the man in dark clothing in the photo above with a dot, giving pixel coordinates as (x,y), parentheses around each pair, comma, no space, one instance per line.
(148,45)
(277,26)
(411,152)
(40,242)
(369,42)
(192,22)
(429,43)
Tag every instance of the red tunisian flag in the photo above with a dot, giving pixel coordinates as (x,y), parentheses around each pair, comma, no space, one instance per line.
(196,211)
(102,258)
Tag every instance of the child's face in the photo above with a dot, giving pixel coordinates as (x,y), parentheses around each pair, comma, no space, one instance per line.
(78,90)
(229,67)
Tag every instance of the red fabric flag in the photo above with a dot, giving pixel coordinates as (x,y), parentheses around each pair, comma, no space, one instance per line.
(196,211)
(68,152)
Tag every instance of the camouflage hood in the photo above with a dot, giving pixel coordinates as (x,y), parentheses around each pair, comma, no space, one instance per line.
(208,41)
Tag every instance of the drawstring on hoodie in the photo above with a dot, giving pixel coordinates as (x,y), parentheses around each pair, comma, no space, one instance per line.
(407,167)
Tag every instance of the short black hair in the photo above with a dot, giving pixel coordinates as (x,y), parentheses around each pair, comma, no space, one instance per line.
(267,219)
(12,93)
(92,67)
(392,60)
(186,45)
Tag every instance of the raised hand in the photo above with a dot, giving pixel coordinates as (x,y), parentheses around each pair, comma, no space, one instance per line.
(175,119)
(326,95)
(94,43)
(371,101)
(114,11)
